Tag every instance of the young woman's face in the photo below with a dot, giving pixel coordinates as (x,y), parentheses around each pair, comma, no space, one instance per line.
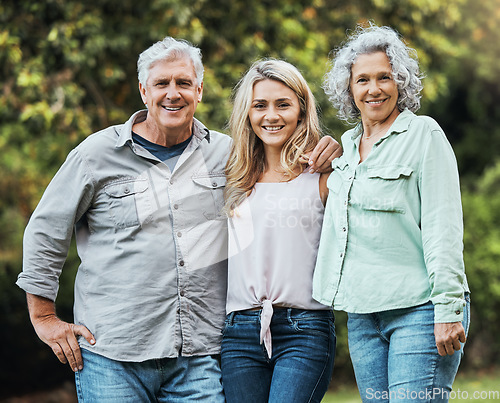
(274,113)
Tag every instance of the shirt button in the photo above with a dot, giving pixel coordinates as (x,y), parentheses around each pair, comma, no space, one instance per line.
(179,234)
(344,229)
(345,203)
(458,312)
(341,255)
(181,262)
(171,181)
(350,178)
(176,206)
(182,293)
(126,191)
(214,184)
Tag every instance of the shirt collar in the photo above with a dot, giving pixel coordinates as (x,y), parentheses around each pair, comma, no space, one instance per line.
(200,130)
(400,125)
(125,135)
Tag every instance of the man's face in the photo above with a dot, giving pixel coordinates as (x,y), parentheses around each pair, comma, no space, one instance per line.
(172,95)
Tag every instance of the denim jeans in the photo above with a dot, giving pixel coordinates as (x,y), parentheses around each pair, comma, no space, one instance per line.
(301,364)
(178,379)
(395,357)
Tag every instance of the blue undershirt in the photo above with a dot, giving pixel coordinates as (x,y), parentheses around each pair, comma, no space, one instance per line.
(169,155)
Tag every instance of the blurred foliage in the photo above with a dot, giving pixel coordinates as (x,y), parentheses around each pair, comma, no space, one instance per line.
(481,204)
(68,69)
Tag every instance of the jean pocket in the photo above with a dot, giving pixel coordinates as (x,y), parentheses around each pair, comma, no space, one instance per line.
(319,326)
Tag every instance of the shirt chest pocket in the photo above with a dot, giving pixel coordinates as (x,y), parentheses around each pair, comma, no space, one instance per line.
(210,194)
(385,188)
(125,198)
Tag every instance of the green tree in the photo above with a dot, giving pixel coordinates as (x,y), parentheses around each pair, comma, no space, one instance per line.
(481,204)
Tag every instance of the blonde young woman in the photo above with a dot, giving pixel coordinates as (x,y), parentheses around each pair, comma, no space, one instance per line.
(278,343)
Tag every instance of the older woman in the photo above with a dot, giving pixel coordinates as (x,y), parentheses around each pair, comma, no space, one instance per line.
(391,245)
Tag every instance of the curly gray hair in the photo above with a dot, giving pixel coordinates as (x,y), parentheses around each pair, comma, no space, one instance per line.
(169,49)
(372,39)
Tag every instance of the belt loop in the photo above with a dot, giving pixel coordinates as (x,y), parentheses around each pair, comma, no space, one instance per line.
(289,314)
(231,318)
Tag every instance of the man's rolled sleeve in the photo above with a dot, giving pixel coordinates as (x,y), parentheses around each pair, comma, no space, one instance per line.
(48,234)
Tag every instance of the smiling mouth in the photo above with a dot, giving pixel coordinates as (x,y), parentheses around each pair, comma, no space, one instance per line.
(376,101)
(272,128)
(172,109)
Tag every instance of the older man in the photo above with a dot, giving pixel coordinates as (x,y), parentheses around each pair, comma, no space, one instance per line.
(145,200)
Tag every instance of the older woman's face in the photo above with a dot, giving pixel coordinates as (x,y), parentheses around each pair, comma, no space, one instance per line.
(374,90)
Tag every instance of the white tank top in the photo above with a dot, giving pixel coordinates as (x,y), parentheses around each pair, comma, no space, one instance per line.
(273,242)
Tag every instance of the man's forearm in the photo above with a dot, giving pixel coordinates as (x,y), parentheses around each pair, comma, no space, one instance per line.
(39,307)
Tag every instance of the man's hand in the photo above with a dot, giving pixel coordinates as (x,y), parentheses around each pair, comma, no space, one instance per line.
(448,337)
(60,336)
(320,159)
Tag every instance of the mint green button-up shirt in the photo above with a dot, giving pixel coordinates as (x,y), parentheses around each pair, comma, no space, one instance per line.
(392,232)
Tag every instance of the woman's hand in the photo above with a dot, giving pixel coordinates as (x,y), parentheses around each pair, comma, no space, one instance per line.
(448,337)
(320,159)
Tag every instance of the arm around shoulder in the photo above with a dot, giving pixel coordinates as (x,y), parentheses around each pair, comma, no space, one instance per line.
(320,159)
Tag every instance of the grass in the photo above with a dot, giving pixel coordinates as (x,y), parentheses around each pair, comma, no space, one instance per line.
(468,386)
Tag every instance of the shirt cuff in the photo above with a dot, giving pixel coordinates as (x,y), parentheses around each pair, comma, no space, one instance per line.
(40,290)
(449,313)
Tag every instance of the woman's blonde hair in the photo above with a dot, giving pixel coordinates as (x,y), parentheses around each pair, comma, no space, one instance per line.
(246,159)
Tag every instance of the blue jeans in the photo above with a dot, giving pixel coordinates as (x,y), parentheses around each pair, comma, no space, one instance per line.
(395,357)
(301,365)
(178,379)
